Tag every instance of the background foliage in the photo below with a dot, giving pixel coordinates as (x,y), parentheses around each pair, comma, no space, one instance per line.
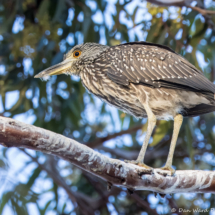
(35,34)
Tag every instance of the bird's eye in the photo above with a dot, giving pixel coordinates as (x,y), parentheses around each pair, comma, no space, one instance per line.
(76,54)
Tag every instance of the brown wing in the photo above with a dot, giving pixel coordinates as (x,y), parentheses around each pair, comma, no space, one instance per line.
(155,66)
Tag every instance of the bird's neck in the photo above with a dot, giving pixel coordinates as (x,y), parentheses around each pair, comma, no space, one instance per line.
(81,67)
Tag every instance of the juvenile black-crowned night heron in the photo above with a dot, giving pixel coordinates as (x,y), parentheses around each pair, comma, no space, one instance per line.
(141,79)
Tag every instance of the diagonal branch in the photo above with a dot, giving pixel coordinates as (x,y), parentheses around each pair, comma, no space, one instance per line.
(177,3)
(202,11)
(144,204)
(99,141)
(181,3)
(149,157)
(17,134)
(80,198)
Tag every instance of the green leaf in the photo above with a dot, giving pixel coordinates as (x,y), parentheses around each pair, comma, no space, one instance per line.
(189,132)
(197,26)
(19,209)
(33,177)
(43,211)
(55,188)
(5,199)
(160,132)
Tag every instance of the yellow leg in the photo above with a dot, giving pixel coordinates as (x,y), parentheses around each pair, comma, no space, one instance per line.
(151,125)
(178,119)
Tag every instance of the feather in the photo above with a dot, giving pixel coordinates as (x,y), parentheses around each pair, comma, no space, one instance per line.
(156,66)
(198,110)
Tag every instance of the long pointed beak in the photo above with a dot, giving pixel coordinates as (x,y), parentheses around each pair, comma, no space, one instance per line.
(57,69)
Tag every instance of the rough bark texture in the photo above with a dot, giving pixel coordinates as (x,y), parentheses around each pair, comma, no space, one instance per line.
(17,134)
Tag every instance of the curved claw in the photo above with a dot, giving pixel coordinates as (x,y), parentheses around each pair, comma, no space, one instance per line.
(131,161)
(169,168)
(140,164)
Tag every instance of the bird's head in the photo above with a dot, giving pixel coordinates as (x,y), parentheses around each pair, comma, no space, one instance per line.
(74,60)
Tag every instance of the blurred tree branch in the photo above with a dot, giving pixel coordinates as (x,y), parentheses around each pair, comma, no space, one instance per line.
(82,200)
(17,134)
(132,155)
(202,11)
(181,3)
(144,204)
(99,141)
(86,204)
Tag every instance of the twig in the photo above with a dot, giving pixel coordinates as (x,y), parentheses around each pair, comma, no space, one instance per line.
(181,3)
(202,11)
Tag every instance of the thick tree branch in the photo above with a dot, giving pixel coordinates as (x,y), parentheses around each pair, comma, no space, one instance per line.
(17,134)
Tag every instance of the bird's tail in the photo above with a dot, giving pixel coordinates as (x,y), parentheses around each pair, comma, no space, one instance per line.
(198,110)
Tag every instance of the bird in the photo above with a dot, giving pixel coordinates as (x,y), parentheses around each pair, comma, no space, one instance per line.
(143,79)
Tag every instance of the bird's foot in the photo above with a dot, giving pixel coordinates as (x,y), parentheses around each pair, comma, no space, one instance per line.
(150,169)
(169,168)
(131,161)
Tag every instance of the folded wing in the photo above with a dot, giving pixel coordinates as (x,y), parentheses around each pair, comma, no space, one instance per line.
(155,66)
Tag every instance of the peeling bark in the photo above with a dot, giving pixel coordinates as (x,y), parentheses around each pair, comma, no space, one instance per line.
(17,134)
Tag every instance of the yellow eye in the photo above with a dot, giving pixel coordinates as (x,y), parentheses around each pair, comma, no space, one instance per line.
(76,54)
